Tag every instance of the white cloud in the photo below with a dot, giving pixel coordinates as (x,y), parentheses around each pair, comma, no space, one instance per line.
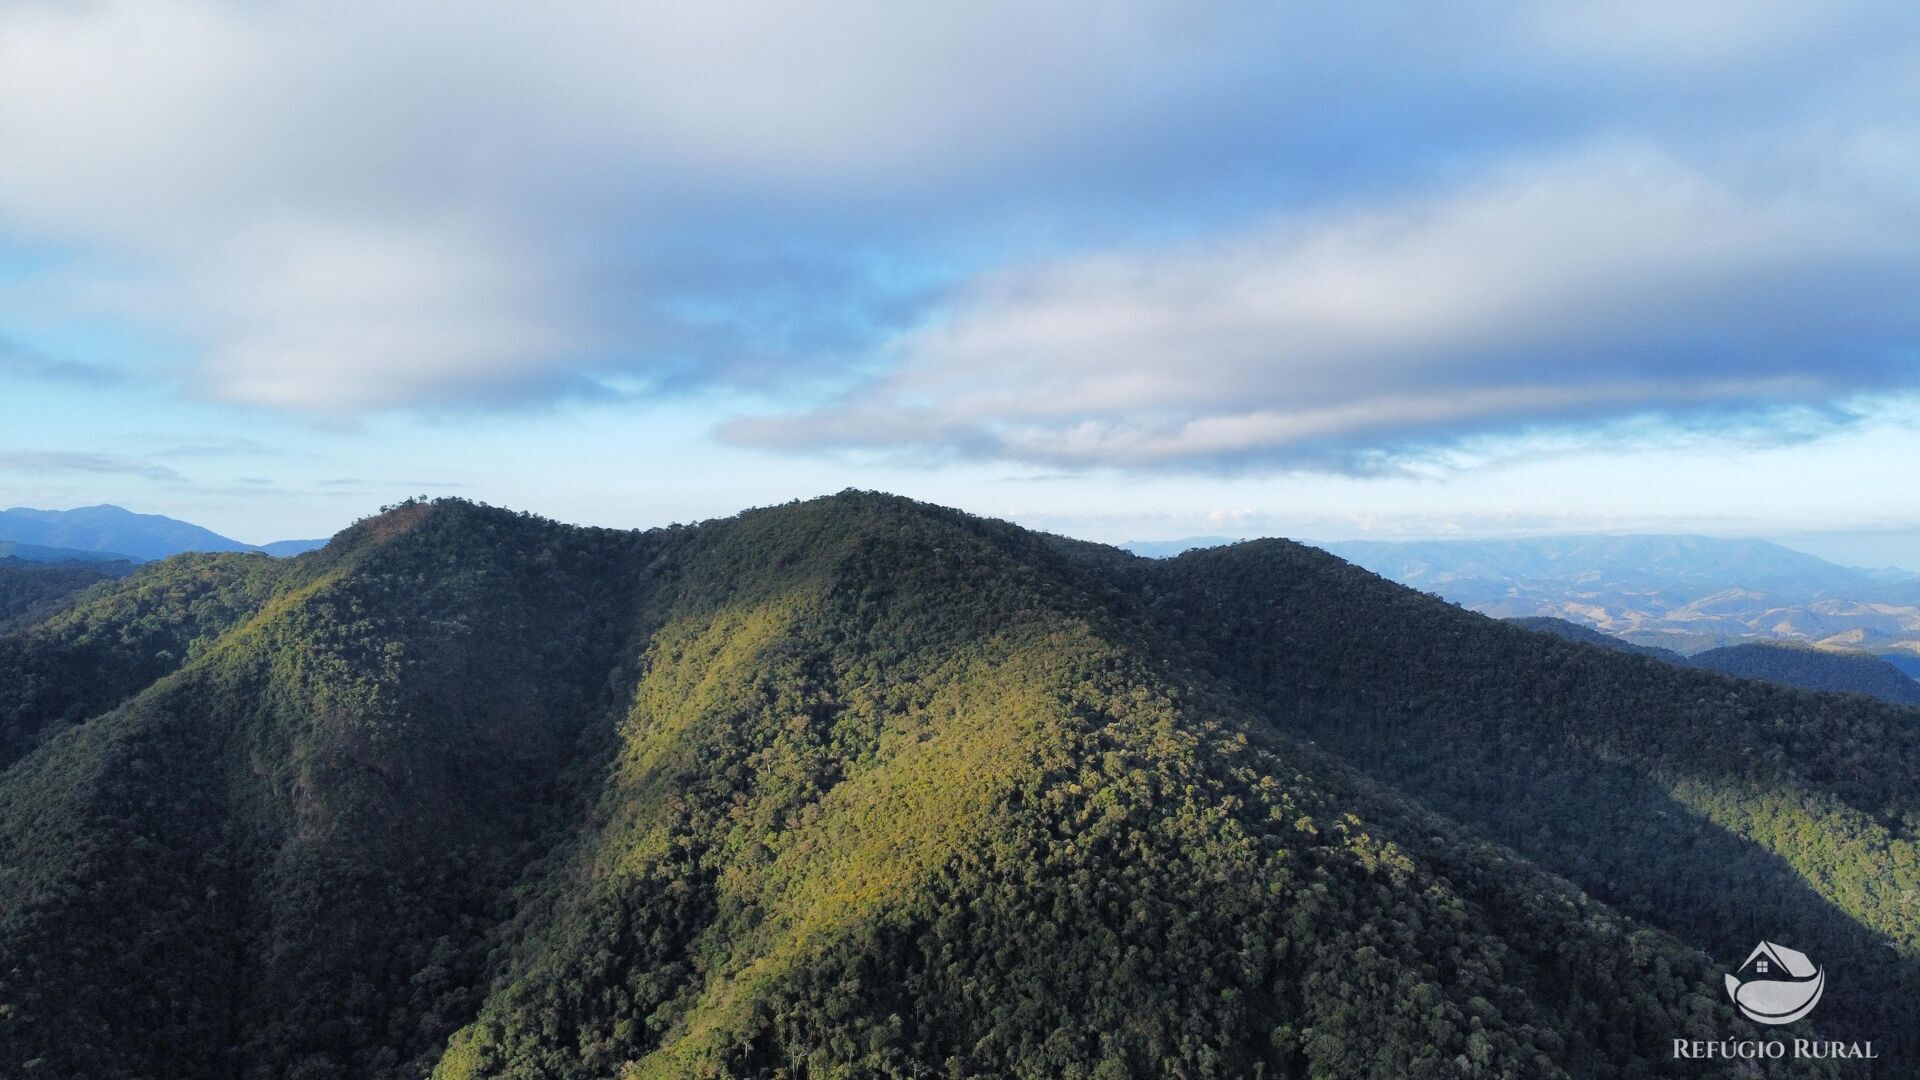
(41,462)
(128,118)
(1614,279)
(349,205)
(330,316)
(1658,32)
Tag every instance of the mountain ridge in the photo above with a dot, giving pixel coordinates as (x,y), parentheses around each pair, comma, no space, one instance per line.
(853,784)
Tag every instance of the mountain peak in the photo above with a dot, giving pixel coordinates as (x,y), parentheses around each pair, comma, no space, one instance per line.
(866,786)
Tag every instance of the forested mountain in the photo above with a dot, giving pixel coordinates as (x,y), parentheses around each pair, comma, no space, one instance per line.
(30,589)
(1790,664)
(864,787)
(1813,669)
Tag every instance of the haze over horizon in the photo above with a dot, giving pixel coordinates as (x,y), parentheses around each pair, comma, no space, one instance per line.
(1151,547)
(1272,271)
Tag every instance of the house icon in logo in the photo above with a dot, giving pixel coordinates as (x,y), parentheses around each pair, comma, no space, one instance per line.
(1776,985)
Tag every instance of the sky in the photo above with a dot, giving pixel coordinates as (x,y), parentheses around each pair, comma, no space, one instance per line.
(1122,270)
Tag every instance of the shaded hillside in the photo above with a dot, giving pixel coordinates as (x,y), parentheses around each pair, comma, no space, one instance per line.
(1587,635)
(864,787)
(113,643)
(1721,810)
(30,590)
(1813,669)
(300,838)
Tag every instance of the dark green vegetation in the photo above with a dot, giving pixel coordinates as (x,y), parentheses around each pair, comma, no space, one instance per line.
(1787,663)
(30,590)
(1813,669)
(1587,635)
(862,787)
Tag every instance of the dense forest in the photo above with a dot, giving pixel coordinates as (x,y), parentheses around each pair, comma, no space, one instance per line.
(1813,669)
(864,787)
(31,590)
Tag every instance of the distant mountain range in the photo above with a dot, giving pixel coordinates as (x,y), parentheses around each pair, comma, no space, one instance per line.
(1167,549)
(91,533)
(1688,594)
(1787,663)
(1625,572)
(1685,593)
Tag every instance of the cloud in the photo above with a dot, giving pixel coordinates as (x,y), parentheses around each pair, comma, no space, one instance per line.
(41,462)
(1612,281)
(332,317)
(342,206)
(214,447)
(1072,234)
(20,362)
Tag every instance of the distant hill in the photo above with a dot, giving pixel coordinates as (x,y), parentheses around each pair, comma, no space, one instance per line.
(1166,549)
(281,549)
(1587,635)
(1907,662)
(1685,593)
(13,549)
(1813,669)
(1801,666)
(862,787)
(115,532)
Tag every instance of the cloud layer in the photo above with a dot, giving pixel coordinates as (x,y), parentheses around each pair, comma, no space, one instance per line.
(345,205)
(44,462)
(1136,235)
(1594,284)
(20,361)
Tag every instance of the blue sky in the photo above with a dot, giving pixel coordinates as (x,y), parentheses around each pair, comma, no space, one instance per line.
(1119,270)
